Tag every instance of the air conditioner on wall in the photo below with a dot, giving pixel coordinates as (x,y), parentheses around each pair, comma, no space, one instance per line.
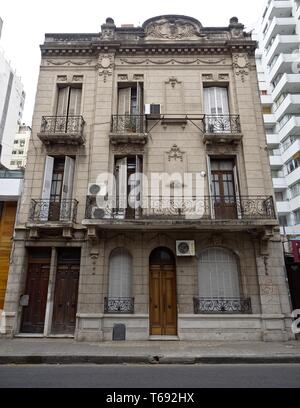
(97,189)
(152,110)
(185,248)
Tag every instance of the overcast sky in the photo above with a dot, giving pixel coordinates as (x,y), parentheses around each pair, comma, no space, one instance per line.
(26,22)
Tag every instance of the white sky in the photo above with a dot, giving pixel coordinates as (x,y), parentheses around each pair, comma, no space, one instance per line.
(26,22)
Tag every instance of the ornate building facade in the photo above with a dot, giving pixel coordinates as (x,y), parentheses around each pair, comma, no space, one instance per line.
(171,101)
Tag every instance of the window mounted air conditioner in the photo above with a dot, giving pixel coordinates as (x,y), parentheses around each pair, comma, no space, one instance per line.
(152,110)
(185,248)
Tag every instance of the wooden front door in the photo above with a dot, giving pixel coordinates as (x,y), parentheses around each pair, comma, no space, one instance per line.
(163,304)
(33,317)
(65,298)
(224,197)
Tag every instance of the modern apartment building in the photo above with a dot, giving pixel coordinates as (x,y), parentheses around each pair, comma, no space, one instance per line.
(148,207)
(12,99)
(278,61)
(18,157)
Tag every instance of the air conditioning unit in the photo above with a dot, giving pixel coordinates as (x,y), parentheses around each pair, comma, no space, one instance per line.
(152,110)
(185,248)
(97,189)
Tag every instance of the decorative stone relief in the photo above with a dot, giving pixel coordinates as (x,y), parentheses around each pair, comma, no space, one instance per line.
(105,65)
(173,28)
(68,62)
(77,78)
(108,29)
(122,77)
(62,78)
(128,148)
(217,240)
(175,153)
(241,65)
(236,28)
(172,61)
(138,77)
(223,77)
(173,81)
(207,77)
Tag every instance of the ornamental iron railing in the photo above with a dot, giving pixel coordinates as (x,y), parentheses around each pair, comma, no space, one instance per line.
(193,208)
(119,305)
(221,124)
(222,305)
(51,210)
(122,124)
(62,124)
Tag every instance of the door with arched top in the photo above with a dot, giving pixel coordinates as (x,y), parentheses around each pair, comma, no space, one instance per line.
(162,302)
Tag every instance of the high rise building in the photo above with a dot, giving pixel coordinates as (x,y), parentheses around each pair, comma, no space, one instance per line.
(278,66)
(147,210)
(18,157)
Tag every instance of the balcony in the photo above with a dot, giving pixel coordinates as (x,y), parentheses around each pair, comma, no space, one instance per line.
(222,129)
(53,212)
(119,305)
(278,8)
(128,129)
(279,183)
(290,128)
(290,105)
(203,305)
(275,162)
(279,25)
(288,83)
(283,65)
(62,130)
(269,120)
(282,44)
(266,100)
(283,207)
(292,151)
(272,140)
(11,185)
(193,212)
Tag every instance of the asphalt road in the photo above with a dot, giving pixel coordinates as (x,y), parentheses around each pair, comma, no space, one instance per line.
(154,376)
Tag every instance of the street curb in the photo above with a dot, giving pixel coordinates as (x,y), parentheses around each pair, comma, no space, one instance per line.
(158,360)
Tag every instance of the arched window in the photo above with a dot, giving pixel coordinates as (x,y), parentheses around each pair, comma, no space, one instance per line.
(120,274)
(218,275)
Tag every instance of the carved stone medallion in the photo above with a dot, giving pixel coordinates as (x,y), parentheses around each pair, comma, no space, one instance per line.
(172,27)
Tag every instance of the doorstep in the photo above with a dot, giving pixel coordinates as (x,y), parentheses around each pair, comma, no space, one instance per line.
(164,338)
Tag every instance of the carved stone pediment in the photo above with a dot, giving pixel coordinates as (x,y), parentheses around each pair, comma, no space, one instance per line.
(172,27)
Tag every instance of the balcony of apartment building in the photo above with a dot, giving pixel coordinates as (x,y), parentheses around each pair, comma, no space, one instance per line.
(279,181)
(222,129)
(291,149)
(277,8)
(278,26)
(286,83)
(289,126)
(51,214)
(282,64)
(272,139)
(275,159)
(287,104)
(62,130)
(281,44)
(128,128)
(157,212)
(11,184)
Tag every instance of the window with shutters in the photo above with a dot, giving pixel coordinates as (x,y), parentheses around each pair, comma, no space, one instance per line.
(216,101)
(69,101)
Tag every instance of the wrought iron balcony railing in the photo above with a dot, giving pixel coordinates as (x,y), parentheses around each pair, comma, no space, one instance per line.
(222,305)
(62,124)
(118,305)
(193,208)
(122,124)
(50,210)
(220,124)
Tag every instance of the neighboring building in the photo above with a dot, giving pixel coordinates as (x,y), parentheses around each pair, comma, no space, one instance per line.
(20,148)
(172,98)
(12,99)
(1,24)
(278,65)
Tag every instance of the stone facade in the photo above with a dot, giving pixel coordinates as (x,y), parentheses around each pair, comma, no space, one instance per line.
(174,59)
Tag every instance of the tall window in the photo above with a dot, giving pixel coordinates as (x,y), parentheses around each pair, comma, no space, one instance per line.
(68,101)
(120,274)
(130,98)
(216,101)
(218,274)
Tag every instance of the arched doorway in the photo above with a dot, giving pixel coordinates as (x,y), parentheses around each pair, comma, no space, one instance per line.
(162,302)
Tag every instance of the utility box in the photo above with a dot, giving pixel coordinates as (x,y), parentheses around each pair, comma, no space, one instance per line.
(119,332)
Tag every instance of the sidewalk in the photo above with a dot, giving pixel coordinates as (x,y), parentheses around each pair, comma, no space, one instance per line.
(67,351)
